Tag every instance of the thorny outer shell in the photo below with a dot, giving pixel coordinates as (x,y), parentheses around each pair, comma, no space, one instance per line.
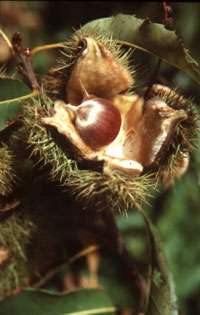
(146,129)
(154,129)
(168,175)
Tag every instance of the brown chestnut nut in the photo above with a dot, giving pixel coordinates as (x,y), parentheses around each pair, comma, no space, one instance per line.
(97,121)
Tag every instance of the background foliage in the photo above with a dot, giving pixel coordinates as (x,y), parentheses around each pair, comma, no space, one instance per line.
(175,211)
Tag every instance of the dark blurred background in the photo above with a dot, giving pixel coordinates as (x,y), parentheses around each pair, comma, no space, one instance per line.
(177,211)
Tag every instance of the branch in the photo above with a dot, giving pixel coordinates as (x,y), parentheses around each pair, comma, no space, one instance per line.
(24,62)
(39,49)
(55,270)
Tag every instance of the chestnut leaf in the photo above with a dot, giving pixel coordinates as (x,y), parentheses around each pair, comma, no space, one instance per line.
(79,302)
(12,94)
(162,297)
(150,37)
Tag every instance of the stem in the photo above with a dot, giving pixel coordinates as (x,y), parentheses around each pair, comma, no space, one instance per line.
(51,273)
(24,60)
(5,37)
(19,99)
(38,49)
(122,42)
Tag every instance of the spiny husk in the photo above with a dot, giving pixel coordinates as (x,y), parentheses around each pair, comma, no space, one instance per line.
(118,192)
(122,56)
(15,234)
(7,170)
(186,132)
(184,138)
(55,82)
(175,166)
(40,140)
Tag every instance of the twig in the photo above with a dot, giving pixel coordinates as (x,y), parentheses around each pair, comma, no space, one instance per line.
(5,37)
(19,99)
(39,49)
(23,57)
(52,272)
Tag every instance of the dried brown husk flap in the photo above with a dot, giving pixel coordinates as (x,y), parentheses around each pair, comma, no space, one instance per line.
(97,64)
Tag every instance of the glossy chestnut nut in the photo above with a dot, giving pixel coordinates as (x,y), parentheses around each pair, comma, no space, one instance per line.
(97,121)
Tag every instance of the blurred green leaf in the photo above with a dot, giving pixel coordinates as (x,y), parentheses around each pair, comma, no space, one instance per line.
(8,113)
(80,302)
(162,297)
(42,62)
(112,278)
(151,37)
(12,94)
(12,88)
(180,227)
(132,229)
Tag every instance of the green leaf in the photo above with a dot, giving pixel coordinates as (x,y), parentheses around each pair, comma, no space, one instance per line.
(180,227)
(12,95)
(11,88)
(151,37)
(80,302)
(162,297)
(110,278)
(8,113)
